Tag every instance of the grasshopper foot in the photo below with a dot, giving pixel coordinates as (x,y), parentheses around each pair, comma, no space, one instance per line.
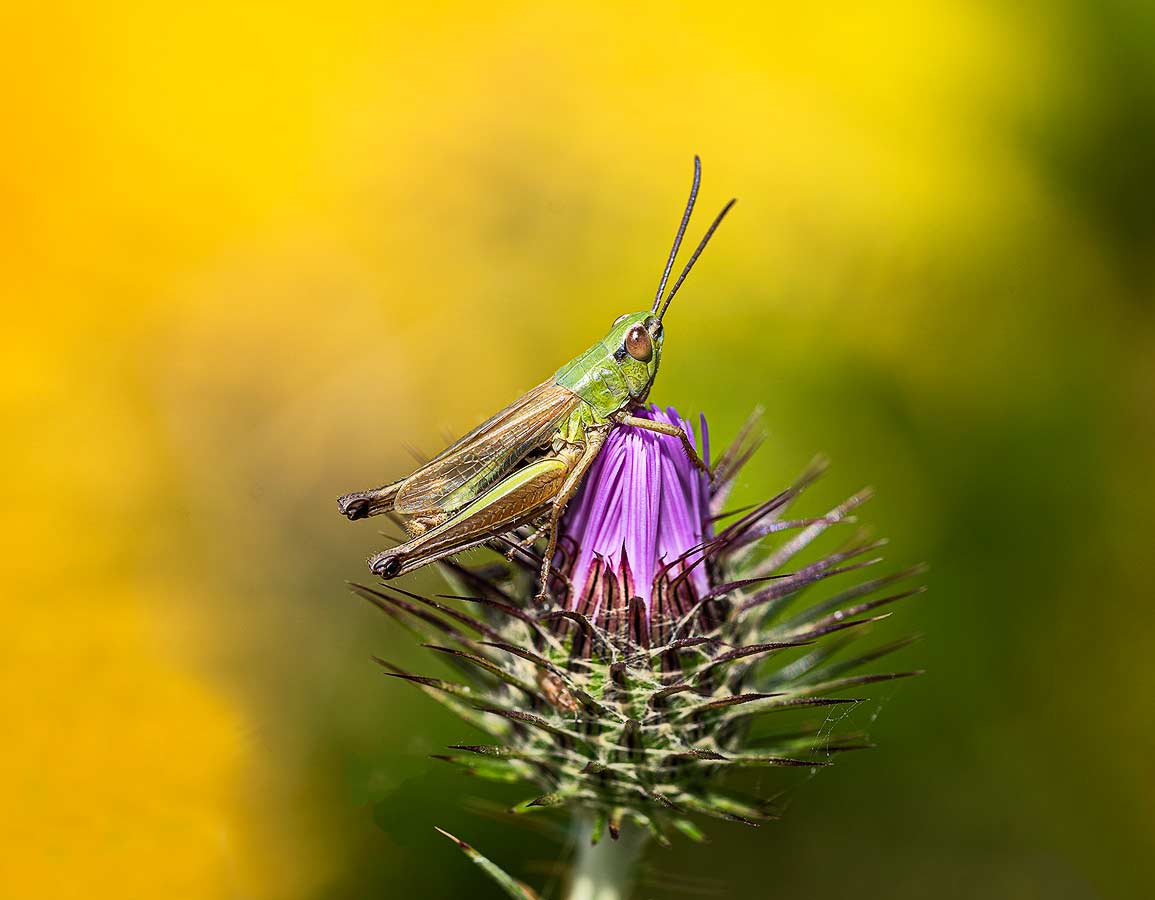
(353,506)
(386,565)
(361,504)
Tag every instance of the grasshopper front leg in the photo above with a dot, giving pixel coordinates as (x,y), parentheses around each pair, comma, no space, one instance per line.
(594,442)
(518,499)
(672,431)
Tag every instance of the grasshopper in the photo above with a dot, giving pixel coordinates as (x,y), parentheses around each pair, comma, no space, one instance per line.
(522,465)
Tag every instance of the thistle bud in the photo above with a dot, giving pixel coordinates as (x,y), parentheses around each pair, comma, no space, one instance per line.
(672,628)
(638,534)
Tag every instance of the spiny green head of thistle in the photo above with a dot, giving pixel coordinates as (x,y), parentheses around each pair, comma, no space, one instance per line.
(675,638)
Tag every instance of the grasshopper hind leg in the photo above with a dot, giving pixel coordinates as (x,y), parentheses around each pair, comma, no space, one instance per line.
(521,498)
(387,564)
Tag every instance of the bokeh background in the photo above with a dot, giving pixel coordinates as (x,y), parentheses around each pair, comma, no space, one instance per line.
(252,251)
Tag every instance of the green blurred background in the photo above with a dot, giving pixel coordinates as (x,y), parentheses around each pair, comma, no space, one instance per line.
(252,252)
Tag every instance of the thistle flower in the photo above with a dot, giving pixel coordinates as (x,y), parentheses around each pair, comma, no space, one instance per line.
(671,643)
(636,530)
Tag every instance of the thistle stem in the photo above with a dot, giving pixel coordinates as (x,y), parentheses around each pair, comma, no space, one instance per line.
(605,871)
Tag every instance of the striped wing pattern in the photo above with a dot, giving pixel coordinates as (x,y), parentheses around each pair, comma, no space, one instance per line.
(489,452)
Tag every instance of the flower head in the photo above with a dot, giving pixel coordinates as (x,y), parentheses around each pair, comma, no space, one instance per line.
(671,639)
(636,529)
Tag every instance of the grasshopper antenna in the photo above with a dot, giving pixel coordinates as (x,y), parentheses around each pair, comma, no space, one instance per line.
(681,232)
(698,252)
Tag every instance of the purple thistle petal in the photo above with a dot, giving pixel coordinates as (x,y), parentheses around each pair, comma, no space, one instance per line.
(639,517)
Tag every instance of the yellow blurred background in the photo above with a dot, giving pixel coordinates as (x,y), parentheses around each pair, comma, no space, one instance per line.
(250,252)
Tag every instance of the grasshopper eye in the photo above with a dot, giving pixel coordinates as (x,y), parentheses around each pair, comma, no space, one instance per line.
(638,344)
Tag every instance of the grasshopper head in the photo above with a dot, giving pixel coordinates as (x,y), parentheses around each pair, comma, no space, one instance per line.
(635,340)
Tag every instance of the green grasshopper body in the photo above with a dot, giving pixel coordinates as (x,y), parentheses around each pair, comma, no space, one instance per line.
(523,464)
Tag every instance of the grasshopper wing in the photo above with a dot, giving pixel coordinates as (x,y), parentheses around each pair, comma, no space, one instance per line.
(489,452)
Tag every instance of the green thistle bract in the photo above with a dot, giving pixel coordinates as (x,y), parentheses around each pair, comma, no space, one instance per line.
(670,639)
